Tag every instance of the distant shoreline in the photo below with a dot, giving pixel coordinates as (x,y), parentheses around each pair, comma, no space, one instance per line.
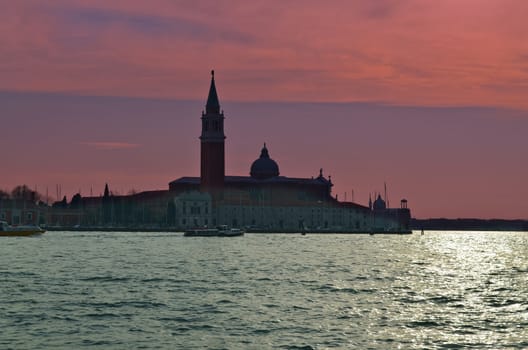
(436,224)
(168,229)
(469,224)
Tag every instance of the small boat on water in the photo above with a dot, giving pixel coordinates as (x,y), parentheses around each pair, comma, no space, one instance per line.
(7,230)
(219,231)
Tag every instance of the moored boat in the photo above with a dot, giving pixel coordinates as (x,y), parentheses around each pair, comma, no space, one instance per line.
(201,232)
(230,232)
(7,230)
(220,231)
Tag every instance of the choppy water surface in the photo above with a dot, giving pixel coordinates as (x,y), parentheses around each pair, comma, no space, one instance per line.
(67,290)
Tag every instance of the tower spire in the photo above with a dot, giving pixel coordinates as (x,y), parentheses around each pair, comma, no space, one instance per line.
(212,105)
(212,159)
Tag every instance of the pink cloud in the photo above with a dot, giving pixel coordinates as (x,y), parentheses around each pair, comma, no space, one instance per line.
(400,52)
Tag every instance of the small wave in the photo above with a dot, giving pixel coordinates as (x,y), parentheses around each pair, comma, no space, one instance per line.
(464,332)
(237,291)
(344,317)
(89,342)
(177,319)
(271,306)
(262,331)
(297,307)
(502,302)
(412,300)
(416,324)
(63,318)
(523,269)
(348,316)
(360,278)
(335,289)
(104,315)
(17,274)
(203,327)
(453,346)
(104,279)
(521,345)
(224,301)
(297,347)
(137,330)
(153,280)
(384,278)
(120,304)
(178,330)
(444,300)
(263,279)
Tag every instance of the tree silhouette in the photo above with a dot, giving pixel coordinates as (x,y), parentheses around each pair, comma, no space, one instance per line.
(4,195)
(25,193)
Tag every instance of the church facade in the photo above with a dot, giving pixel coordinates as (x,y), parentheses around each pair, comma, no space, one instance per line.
(263,201)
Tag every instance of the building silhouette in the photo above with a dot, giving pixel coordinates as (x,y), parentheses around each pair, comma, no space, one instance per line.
(263,201)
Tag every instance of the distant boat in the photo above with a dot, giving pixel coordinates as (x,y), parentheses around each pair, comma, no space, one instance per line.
(7,230)
(219,231)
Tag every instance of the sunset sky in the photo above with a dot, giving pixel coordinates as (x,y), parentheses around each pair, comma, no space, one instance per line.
(428,96)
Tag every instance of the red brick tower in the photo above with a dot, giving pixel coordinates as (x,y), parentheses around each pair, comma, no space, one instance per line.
(212,168)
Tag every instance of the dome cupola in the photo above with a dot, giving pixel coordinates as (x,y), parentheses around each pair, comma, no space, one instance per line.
(379,203)
(264,167)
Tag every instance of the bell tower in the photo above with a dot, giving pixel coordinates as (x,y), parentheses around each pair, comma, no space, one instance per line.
(212,154)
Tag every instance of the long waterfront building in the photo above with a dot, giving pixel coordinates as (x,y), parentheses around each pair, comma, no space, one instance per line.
(263,201)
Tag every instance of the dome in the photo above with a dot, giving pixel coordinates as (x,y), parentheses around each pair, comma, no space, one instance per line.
(379,203)
(264,167)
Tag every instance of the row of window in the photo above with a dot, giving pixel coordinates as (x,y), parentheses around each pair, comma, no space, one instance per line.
(234,223)
(29,216)
(195,222)
(195,209)
(326,211)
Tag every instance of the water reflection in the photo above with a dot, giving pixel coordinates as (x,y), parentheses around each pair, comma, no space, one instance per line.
(470,291)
